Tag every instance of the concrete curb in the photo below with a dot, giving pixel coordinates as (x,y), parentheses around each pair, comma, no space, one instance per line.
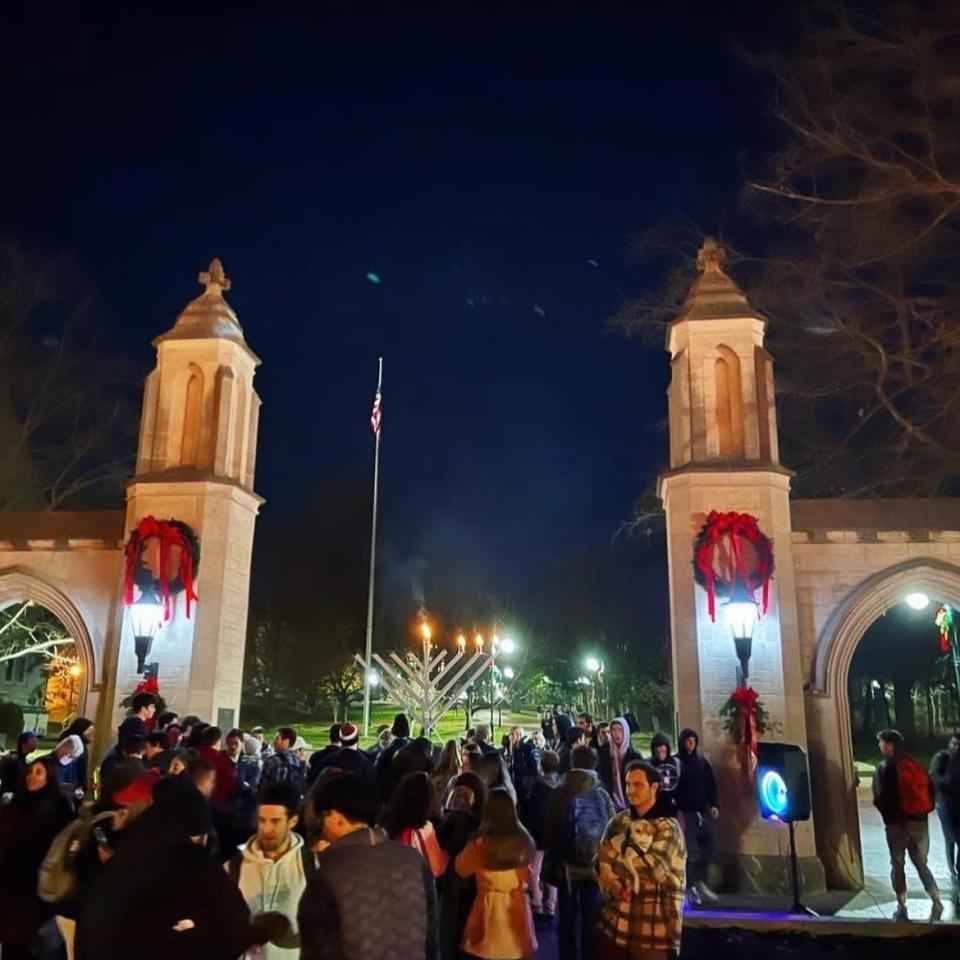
(779,923)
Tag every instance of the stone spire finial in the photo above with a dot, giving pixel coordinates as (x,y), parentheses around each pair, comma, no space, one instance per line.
(712,257)
(214,278)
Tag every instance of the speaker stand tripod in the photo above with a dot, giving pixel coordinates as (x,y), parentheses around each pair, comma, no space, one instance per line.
(797,907)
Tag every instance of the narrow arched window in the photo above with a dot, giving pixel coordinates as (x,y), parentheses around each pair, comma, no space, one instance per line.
(192,418)
(729,408)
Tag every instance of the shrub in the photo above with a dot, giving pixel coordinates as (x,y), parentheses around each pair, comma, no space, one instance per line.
(11,722)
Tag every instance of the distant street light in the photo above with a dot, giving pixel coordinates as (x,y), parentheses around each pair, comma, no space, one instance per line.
(508,646)
(508,673)
(593,664)
(373,678)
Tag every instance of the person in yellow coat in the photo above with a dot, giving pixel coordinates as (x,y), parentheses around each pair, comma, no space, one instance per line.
(500,925)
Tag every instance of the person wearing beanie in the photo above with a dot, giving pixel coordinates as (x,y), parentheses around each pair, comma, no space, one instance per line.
(614,756)
(342,911)
(165,896)
(349,758)
(697,801)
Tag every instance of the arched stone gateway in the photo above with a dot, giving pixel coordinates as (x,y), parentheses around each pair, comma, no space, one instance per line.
(195,463)
(845,581)
(839,565)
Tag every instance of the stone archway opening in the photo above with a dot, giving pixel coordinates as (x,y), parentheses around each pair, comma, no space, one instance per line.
(47,663)
(42,668)
(899,679)
(872,622)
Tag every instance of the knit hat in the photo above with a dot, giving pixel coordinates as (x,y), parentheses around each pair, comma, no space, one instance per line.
(251,746)
(25,737)
(184,803)
(140,791)
(349,735)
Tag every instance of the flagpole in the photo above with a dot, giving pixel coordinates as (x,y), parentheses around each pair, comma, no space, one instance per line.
(373,558)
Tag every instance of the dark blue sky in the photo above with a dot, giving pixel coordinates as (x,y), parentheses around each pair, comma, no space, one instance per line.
(477,165)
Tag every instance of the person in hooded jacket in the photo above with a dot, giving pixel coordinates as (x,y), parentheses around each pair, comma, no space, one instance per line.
(697,802)
(613,759)
(669,769)
(28,824)
(82,728)
(163,895)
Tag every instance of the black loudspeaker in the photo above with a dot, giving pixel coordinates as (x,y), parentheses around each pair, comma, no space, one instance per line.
(783,782)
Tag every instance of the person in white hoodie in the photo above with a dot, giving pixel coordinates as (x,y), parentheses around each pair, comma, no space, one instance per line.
(271,869)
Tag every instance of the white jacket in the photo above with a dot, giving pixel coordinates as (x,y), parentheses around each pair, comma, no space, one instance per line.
(273,885)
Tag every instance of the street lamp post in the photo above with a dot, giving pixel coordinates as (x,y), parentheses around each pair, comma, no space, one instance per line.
(74,673)
(596,667)
(741,615)
(146,618)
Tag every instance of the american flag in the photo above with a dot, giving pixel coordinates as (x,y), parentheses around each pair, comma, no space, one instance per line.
(376,414)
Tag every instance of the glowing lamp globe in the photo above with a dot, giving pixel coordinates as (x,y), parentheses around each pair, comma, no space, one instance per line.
(146,618)
(917,601)
(592,664)
(508,673)
(508,646)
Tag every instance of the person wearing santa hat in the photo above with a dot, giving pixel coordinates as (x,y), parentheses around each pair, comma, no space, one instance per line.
(349,758)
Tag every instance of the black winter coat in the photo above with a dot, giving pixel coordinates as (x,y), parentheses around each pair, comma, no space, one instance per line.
(697,791)
(163,897)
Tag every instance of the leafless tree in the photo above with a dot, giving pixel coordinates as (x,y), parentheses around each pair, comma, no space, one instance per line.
(27,629)
(67,408)
(858,205)
(862,278)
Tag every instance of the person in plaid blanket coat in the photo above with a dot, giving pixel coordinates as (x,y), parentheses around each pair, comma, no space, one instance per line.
(641,866)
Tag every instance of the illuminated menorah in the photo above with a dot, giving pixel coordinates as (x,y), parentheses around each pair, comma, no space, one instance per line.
(428,687)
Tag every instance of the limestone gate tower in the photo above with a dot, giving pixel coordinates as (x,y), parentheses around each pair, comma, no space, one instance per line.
(195,463)
(724,456)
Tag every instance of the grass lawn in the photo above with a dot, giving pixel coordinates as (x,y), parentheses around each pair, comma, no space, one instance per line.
(451,725)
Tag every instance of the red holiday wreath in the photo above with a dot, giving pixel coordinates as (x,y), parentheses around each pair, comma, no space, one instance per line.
(731,547)
(173,537)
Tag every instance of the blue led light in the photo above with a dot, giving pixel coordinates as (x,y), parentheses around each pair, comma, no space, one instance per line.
(774,796)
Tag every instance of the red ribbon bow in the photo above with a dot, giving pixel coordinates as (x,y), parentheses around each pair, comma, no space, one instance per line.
(169,536)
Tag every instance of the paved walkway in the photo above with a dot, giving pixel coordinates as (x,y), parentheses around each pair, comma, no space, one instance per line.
(877,899)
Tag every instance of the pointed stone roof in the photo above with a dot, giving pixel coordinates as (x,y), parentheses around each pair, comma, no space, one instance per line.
(714,296)
(209,316)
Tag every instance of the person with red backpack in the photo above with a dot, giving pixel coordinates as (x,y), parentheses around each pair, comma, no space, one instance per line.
(903,793)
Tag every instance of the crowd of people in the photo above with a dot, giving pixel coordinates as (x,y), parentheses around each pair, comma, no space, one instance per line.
(190,842)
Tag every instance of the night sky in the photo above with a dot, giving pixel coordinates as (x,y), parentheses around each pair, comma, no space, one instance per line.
(490,170)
